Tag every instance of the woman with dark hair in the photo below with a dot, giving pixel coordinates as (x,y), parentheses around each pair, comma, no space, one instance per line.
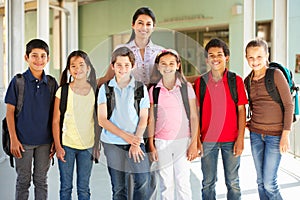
(143,24)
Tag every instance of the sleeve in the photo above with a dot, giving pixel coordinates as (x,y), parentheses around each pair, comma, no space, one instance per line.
(151,94)
(242,97)
(286,98)
(58,93)
(101,95)
(145,102)
(11,96)
(197,90)
(191,92)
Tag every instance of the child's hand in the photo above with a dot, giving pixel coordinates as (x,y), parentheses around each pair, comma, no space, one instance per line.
(153,155)
(52,151)
(136,153)
(133,140)
(16,148)
(192,152)
(60,154)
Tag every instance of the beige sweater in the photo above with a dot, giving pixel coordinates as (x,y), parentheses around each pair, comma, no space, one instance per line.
(267,116)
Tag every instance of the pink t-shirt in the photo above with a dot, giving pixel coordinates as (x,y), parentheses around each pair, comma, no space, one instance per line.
(172,122)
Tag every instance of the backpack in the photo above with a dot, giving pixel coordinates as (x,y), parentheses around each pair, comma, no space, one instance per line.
(184,96)
(231,79)
(20,84)
(63,108)
(110,97)
(271,88)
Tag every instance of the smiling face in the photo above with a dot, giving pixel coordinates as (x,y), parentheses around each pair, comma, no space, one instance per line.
(78,68)
(143,27)
(216,58)
(167,65)
(122,68)
(257,57)
(37,60)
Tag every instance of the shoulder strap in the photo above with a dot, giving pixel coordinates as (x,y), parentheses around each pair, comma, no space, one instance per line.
(63,106)
(185,99)
(247,83)
(271,88)
(20,82)
(270,85)
(203,81)
(155,94)
(52,87)
(138,95)
(231,78)
(110,99)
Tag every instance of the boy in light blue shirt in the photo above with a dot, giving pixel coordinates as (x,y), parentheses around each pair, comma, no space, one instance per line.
(122,135)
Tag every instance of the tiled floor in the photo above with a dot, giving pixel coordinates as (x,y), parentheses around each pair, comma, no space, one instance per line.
(288,178)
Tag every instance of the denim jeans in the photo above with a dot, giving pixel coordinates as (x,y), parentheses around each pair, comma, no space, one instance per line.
(266,156)
(84,165)
(41,162)
(209,163)
(120,166)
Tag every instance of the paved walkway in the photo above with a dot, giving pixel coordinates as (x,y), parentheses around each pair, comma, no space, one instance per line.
(288,179)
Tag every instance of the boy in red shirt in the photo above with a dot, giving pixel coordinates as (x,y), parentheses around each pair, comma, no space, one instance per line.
(222,122)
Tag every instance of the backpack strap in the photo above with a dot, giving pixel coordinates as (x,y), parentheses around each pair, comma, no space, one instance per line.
(185,99)
(231,78)
(203,81)
(20,83)
(271,87)
(155,94)
(138,95)
(247,83)
(63,106)
(52,87)
(110,99)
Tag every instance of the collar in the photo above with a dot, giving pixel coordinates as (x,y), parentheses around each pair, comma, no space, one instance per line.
(161,85)
(113,82)
(224,78)
(133,45)
(31,78)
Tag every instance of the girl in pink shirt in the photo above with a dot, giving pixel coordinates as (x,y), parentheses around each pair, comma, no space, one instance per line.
(172,134)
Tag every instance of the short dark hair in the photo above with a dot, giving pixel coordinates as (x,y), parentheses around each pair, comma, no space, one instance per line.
(216,42)
(123,51)
(36,44)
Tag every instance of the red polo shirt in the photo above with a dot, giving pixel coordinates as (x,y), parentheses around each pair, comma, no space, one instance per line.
(219,117)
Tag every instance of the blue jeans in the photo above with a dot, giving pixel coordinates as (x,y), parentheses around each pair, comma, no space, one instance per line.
(39,154)
(209,165)
(84,165)
(266,156)
(120,166)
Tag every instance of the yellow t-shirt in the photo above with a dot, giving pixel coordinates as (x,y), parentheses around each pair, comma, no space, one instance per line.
(78,125)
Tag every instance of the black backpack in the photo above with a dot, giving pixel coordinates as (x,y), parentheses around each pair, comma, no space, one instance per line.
(231,78)
(20,84)
(271,88)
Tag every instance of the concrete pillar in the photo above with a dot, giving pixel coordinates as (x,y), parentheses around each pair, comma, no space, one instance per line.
(43,22)
(249,28)
(72,20)
(14,13)
(279,39)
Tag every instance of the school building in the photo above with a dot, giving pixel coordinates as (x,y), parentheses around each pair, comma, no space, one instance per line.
(97,26)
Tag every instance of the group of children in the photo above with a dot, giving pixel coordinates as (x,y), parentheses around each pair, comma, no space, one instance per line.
(168,111)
